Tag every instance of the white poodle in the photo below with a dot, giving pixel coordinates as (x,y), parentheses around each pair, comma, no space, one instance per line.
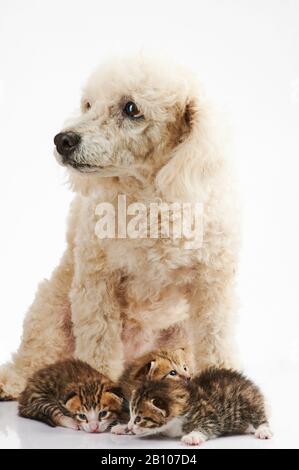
(145,132)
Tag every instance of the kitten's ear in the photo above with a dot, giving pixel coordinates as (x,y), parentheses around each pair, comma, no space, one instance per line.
(113,395)
(180,353)
(186,355)
(159,405)
(68,395)
(146,370)
(72,401)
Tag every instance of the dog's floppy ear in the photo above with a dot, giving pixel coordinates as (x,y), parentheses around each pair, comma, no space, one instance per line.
(196,155)
(189,118)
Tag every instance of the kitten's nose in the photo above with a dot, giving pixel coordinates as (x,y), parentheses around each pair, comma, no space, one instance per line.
(94,427)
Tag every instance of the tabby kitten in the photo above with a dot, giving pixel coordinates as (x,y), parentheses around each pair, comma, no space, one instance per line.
(217,402)
(74,395)
(156,365)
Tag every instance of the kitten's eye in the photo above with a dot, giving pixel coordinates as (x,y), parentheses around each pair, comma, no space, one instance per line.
(185,369)
(131,110)
(173,372)
(137,419)
(82,416)
(102,414)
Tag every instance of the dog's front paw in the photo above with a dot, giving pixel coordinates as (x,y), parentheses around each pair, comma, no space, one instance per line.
(194,438)
(5,396)
(120,429)
(11,382)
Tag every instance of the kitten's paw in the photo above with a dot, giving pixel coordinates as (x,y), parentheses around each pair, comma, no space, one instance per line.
(68,422)
(263,432)
(194,438)
(120,429)
(250,429)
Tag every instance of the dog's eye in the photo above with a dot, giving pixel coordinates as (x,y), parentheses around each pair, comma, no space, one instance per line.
(173,372)
(130,109)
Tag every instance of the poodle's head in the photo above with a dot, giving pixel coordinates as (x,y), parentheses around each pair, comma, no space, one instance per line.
(137,118)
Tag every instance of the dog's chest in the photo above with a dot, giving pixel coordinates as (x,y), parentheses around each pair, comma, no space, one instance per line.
(153,262)
(146,268)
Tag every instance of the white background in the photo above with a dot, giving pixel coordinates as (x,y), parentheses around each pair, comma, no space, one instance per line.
(247,54)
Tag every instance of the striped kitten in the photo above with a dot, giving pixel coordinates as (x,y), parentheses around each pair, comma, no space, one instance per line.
(217,402)
(156,365)
(74,395)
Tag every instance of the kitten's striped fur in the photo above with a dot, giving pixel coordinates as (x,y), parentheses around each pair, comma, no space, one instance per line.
(216,402)
(72,394)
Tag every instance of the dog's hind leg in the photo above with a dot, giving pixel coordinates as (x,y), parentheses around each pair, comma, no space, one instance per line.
(47,333)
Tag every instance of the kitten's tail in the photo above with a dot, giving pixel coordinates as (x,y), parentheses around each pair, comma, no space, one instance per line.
(45,409)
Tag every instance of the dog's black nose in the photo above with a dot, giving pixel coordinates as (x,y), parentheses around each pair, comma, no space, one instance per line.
(66,142)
